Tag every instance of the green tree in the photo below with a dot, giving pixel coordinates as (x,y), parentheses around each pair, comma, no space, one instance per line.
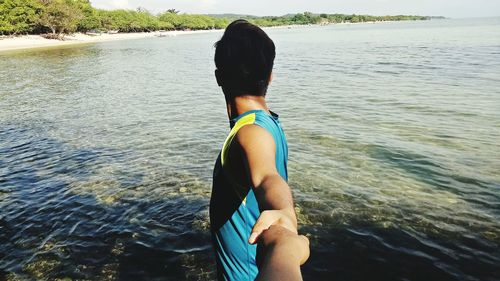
(90,19)
(174,11)
(19,16)
(355,18)
(66,16)
(61,16)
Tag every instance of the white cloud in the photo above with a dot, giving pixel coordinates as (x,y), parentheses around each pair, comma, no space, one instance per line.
(208,3)
(450,8)
(121,4)
(206,6)
(110,5)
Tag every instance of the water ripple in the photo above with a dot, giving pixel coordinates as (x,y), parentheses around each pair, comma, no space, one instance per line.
(106,153)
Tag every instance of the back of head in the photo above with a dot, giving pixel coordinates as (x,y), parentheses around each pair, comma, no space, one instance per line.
(244,58)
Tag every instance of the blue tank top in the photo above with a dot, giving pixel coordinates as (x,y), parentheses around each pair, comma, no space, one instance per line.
(234,208)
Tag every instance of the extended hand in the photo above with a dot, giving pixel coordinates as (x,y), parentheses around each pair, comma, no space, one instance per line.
(284,252)
(284,218)
(280,240)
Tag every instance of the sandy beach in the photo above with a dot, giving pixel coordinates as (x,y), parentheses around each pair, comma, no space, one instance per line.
(26,42)
(37,41)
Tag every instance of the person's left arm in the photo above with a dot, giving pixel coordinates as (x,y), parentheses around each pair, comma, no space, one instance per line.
(272,191)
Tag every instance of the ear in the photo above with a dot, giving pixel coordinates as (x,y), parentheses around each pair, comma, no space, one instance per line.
(270,78)
(218,78)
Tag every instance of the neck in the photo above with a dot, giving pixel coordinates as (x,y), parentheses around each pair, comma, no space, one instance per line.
(242,104)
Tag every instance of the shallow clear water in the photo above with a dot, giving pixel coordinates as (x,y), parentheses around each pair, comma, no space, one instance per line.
(107,150)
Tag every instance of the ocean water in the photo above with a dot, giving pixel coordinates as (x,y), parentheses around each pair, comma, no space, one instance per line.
(107,150)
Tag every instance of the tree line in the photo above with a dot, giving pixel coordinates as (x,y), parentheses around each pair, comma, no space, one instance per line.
(59,17)
(310,18)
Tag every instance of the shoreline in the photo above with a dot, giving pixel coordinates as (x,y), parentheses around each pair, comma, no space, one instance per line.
(29,42)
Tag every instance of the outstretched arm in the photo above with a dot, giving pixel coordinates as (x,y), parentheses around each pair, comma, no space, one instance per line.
(272,191)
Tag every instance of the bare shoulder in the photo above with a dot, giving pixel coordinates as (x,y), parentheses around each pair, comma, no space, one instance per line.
(259,152)
(255,137)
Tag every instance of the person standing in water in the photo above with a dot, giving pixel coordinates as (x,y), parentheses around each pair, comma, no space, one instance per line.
(250,190)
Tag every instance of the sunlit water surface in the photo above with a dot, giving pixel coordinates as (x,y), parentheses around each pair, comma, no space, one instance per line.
(106,153)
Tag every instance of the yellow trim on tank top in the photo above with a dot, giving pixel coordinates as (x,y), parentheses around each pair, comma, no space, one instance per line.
(245,120)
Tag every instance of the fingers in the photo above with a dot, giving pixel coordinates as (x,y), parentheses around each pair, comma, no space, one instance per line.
(265,220)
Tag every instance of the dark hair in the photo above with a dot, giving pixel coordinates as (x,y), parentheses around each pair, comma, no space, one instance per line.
(244,58)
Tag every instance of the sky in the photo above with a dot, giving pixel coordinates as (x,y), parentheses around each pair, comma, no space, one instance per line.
(447,8)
